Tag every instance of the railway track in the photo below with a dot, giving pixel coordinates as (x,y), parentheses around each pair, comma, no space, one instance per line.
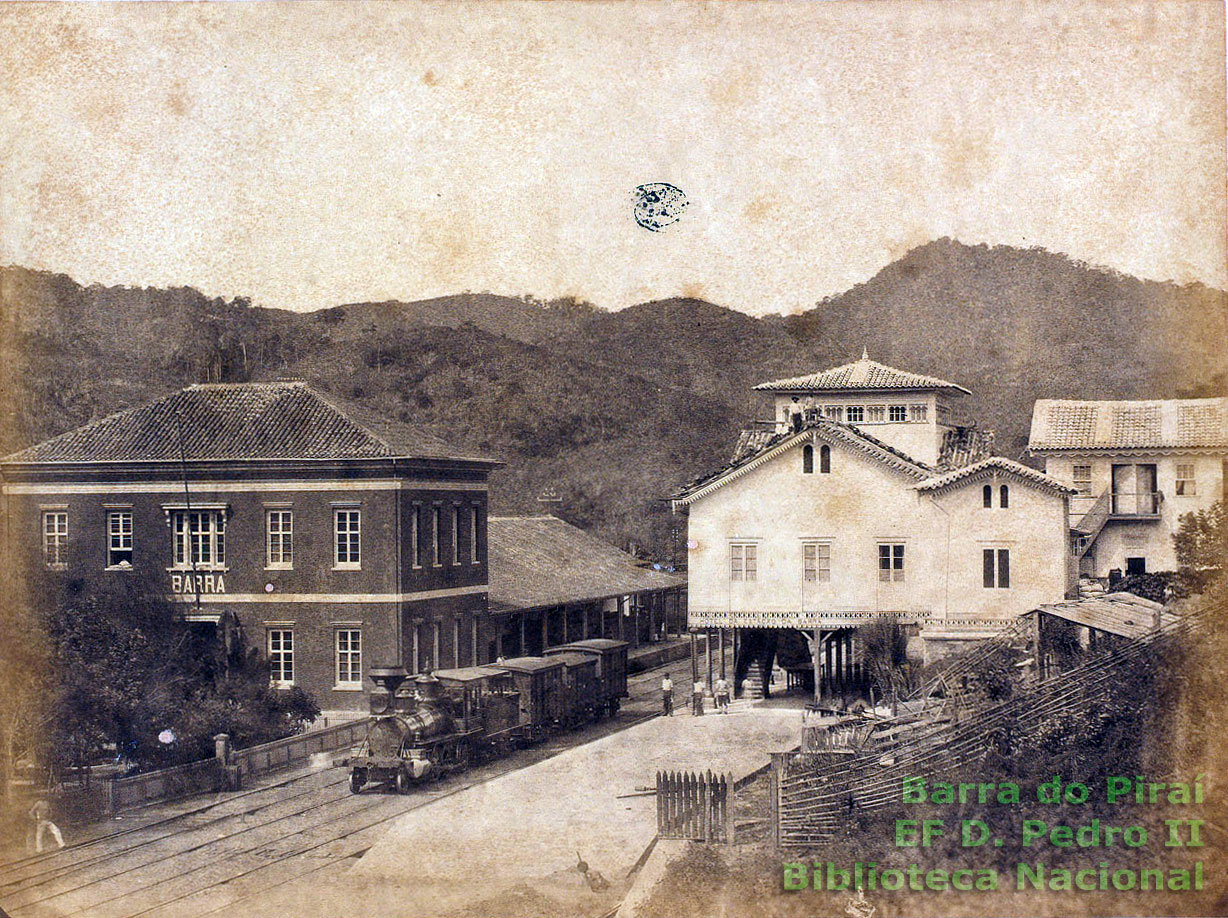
(231,850)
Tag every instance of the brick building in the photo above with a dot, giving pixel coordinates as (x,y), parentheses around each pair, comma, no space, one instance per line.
(338,540)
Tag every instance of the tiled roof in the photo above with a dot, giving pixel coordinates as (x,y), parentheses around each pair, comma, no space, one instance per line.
(829,430)
(863,374)
(963,446)
(239,421)
(988,467)
(751,440)
(1162,424)
(543,561)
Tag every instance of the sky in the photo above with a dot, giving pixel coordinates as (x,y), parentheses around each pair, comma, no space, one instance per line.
(318,153)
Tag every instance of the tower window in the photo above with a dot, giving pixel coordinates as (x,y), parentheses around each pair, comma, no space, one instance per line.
(824,459)
(987,495)
(1004,497)
(807,459)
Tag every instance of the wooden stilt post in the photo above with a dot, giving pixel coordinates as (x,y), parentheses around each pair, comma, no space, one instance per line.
(694,662)
(816,653)
(708,650)
(722,653)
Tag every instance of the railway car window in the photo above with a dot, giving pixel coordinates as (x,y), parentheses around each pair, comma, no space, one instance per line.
(119,539)
(347,526)
(279,535)
(281,657)
(55,538)
(349,657)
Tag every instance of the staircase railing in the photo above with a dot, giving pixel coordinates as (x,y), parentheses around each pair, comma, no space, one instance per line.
(1090,524)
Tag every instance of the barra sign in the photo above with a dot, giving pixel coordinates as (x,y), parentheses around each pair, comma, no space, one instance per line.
(188,583)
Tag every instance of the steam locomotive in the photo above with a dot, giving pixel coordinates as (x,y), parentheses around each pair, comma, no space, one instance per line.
(442,721)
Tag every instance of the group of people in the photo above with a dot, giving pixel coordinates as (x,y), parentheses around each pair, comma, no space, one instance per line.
(720,695)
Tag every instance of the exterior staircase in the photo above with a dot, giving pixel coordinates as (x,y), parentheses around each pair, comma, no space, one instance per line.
(753,667)
(1090,524)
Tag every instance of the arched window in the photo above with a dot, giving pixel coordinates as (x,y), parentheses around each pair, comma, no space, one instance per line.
(1004,497)
(987,495)
(825,459)
(807,459)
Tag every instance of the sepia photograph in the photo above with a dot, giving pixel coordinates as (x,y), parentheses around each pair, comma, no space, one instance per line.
(591,459)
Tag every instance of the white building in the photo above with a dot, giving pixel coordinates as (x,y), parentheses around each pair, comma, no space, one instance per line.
(862,498)
(1136,467)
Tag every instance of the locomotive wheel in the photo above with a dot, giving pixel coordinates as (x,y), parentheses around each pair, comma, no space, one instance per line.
(358,777)
(403,781)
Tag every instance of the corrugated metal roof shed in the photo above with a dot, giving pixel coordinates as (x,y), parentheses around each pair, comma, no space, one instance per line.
(1122,614)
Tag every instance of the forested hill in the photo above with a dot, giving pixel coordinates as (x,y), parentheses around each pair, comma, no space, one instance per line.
(614,409)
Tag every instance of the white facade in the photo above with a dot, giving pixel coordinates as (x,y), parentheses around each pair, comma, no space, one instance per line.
(912,422)
(821,539)
(1134,484)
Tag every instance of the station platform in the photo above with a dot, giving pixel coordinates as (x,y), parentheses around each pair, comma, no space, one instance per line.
(510,846)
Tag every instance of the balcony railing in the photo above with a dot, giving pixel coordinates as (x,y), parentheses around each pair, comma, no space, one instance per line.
(1136,504)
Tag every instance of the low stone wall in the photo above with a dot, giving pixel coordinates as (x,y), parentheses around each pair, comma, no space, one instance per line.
(215,774)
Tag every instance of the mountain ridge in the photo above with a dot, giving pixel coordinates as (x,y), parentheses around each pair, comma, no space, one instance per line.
(614,409)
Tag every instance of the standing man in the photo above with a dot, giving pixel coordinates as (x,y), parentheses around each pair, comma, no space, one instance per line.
(41,814)
(721,690)
(667,695)
(697,699)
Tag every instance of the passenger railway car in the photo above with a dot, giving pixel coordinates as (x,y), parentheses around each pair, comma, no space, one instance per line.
(543,703)
(611,657)
(440,722)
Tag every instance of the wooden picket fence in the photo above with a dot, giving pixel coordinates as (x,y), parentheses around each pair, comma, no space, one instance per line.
(698,807)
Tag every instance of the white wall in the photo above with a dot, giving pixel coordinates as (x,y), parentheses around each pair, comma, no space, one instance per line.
(1151,539)
(859,504)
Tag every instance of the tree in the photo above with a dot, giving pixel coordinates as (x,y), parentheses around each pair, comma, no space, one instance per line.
(884,645)
(125,672)
(1201,543)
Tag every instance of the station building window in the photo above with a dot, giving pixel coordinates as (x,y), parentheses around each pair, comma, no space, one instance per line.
(436,515)
(918,413)
(119,539)
(996,568)
(1004,497)
(474,517)
(1184,486)
(279,539)
(456,517)
(897,413)
(856,414)
(1083,479)
(987,496)
(876,413)
(890,563)
(281,657)
(816,562)
(349,657)
(55,538)
(824,459)
(199,539)
(743,561)
(347,538)
(415,535)
(807,459)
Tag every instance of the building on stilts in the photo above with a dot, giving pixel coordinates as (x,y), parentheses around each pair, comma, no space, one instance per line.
(865,498)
